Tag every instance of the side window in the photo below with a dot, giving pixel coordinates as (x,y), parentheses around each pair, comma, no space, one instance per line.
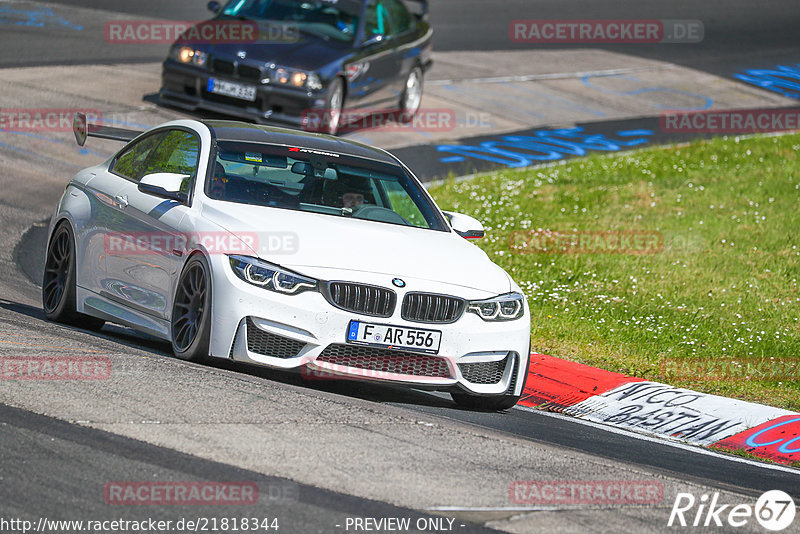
(376,20)
(131,163)
(401,18)
(177,153)
(403,205)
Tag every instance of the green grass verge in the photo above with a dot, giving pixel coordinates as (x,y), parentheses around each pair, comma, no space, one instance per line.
(716,309)
(744,453)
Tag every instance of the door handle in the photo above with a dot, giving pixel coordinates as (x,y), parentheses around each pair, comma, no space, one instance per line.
(122,200)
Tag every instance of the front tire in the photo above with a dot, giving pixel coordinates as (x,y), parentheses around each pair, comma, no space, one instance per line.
(334,104)
(411,99)
(191,311)
(58,282)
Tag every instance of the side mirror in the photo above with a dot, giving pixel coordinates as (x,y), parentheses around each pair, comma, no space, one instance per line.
(214,7)
(376,39)
(165,185)
(465,226)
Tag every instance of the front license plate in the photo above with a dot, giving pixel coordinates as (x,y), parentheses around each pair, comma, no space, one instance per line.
(396,337)
(232,89)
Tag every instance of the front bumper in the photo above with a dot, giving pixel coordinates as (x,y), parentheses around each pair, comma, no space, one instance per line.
(185,87)
(308,333)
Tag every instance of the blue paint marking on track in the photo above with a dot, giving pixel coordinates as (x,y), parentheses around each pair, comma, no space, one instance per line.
(17,149)
(707,101)
(82,150)
(634,133)
(43,17)
(110,121)
(544,145)
(781,79)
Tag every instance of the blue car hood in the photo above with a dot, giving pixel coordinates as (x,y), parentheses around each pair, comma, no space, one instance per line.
(307,53)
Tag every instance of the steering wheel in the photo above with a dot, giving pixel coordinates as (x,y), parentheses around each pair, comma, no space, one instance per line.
(377,213)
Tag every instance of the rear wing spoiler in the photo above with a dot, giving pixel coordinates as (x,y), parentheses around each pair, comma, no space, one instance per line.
(82,129)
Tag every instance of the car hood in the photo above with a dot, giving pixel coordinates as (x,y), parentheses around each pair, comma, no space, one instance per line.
(307,53)
(296,240)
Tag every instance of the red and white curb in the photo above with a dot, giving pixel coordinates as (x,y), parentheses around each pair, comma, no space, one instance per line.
(662,410)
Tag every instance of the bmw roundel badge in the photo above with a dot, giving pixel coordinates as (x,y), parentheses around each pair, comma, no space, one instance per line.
(399,282)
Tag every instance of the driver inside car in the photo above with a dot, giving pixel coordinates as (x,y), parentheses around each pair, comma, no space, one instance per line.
(352,200)
(218,182)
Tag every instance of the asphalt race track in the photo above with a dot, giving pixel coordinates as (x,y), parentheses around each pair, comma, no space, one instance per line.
(738,33)
(324,452)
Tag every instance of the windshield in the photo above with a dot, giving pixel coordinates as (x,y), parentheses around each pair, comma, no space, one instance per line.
(319,182)
(322,18)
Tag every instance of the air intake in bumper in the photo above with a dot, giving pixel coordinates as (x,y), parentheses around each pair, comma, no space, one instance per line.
(269,344)
(385,361)
(486,372)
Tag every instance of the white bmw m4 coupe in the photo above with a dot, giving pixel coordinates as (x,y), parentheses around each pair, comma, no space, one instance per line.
(285,249)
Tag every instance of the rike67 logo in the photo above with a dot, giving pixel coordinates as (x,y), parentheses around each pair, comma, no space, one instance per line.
(774,510)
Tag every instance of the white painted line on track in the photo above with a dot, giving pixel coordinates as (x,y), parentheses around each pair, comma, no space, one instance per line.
(663,440)
(537,77)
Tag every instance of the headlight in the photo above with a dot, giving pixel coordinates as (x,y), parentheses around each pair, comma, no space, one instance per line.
(200,58)
(502,308)
(282,76)
(299,79)
(313,82)
(296,78)
(186,54)
(269,276)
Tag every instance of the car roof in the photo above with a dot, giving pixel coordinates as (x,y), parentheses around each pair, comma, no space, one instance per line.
(255,133)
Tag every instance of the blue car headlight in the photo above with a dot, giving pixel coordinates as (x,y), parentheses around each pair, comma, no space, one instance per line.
(269,276)
(188,54)
(295,78)
(501,308)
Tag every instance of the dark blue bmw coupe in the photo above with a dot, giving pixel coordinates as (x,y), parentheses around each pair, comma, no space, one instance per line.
(302,63)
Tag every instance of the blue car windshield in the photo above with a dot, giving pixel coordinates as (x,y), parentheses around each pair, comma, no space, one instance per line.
(326,19)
